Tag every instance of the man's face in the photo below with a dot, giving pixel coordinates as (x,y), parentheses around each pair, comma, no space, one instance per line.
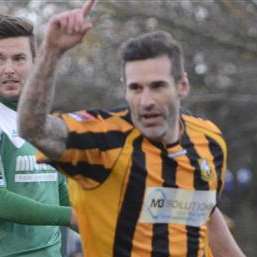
(154,98)
(15,63)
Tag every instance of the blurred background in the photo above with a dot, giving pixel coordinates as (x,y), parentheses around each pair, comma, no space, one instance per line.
(219,38)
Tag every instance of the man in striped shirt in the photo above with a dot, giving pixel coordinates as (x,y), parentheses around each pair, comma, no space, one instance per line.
(144,179)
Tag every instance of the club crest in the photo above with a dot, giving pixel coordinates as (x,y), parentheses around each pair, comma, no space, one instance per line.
(205,169)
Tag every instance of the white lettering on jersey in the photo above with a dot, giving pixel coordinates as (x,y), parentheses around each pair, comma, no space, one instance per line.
(36,177)
(29,163)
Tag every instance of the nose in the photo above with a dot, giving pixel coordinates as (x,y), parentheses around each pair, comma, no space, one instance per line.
(8,67)
(147,99)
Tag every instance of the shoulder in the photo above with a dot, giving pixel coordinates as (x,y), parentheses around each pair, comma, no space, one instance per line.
(85,115)
(113,119)
(203,125)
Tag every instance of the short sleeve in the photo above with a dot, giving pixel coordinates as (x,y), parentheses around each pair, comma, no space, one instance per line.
(93,145)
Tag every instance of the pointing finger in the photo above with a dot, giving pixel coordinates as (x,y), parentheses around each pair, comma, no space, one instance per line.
(87,7)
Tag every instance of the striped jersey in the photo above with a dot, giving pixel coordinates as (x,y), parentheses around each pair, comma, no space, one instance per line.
(140,198)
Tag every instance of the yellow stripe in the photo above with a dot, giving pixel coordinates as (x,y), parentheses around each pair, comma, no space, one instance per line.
(92,156)
(178,240)
(97,125)
(218,139)
(144,232)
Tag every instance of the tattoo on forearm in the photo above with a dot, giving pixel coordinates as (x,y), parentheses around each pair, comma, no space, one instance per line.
(35,104)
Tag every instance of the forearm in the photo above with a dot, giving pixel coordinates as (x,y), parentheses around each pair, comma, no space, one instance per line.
(31,212)
(35,124)
(221,240)
(37,95)
(64,31)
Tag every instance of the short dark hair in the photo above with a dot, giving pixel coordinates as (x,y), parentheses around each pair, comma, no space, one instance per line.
(11,26)
(152,45)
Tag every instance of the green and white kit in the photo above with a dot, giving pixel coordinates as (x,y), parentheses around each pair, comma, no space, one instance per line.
(30,193)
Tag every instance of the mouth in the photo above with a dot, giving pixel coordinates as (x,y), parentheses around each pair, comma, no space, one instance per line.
(10,81)
(10,84)
(151,119)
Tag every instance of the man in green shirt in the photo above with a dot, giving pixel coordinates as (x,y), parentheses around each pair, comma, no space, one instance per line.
(33,197)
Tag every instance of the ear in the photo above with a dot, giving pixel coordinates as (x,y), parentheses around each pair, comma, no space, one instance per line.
(183,86)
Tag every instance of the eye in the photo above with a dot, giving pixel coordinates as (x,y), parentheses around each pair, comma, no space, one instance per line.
(134,87)
(2,59)
(158,84)
(20,58)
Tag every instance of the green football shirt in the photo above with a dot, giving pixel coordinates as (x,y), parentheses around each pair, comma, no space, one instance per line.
(19,173)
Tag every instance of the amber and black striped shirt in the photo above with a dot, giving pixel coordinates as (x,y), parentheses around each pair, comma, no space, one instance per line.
(138,198)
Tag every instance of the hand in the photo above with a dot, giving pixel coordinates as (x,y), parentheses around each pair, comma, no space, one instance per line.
(67,29)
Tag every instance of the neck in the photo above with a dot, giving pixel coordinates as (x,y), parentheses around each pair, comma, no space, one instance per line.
(173,135)
(11,103)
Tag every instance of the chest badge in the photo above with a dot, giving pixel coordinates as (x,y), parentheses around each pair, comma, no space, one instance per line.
(205,169)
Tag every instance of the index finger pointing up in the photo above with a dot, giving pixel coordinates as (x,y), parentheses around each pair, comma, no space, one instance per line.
(87,7)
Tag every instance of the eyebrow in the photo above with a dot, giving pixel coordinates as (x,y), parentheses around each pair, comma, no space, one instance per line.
(20,54)
(16,54)
(159,82)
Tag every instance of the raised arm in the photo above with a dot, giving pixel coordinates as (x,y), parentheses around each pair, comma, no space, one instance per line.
(49,133)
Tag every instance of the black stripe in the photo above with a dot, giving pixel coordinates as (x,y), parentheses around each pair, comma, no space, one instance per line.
(96,172)
(132,203)
(218,156)
(127,117)
(199,183)
(105,114)
(169,168)
(193,235)
(160,240)
(90,140)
